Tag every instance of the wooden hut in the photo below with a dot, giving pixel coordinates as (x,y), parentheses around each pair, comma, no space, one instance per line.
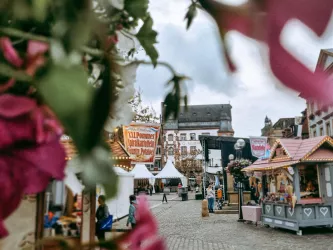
(299,176)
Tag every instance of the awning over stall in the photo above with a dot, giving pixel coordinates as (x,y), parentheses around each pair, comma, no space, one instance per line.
(261,165)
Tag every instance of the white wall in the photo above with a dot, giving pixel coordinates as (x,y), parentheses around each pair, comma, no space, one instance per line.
(215,155)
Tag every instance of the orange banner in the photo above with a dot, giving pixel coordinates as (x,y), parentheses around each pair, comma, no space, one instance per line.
(140,141)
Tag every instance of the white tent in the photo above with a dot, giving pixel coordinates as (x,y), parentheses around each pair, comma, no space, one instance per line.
(140,171)
(118,205)
(170,172)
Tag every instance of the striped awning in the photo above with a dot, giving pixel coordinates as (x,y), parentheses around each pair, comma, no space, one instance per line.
(268,166)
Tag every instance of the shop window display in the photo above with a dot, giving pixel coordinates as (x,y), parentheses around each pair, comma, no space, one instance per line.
(309,181)
(280,187)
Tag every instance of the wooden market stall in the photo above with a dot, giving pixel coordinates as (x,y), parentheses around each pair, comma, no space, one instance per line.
(299,176)
(77,212)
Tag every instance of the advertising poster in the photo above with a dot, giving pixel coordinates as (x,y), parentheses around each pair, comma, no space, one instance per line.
(140,141)
(258,146)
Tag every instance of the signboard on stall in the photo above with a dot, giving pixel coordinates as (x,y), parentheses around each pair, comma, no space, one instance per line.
(140,141)
(257,174)
(258,146)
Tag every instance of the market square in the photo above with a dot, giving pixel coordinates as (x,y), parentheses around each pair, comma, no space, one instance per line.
(166,124)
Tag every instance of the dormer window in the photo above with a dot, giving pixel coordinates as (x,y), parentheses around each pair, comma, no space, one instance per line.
(194,114)
(208,113)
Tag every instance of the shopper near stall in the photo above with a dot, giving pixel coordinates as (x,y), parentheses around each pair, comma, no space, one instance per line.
(102,214)
(132,211)
(210,197)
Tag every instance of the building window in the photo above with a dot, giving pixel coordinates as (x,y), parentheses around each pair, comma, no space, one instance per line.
(170,137)
(170,151)
(158,165)
(328,129)
(158,150)
(193,149)
(205,133)
(314,133)
(192,137)
(183,137)
(321,131)
(183,150)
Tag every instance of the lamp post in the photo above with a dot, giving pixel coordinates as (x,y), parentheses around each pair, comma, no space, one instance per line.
(240,144)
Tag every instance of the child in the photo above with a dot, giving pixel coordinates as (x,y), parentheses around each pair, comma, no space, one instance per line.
(132,211)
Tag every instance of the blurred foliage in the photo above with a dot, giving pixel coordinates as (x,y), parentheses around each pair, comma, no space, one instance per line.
(82,37)
(77,78)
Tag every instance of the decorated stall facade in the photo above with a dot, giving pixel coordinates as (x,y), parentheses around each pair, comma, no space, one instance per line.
(299,176)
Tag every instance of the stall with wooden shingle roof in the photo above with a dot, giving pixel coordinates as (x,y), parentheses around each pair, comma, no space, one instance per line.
(299,176)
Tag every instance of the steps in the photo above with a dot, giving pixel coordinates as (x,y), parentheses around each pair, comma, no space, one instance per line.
(231,209)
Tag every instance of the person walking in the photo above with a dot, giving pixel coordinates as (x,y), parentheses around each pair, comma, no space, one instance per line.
(150,190)
(102,213)
(132,212)
(210,197)
(164,197)
(131,220)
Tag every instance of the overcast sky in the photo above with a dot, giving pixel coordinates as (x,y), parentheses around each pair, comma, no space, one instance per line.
(252,91)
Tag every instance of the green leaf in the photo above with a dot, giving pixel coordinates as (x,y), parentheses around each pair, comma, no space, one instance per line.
(147,38)
(101,106)
(136,8)
(191,13)
(68,94)
(40,9)
(171,106)
(98,169)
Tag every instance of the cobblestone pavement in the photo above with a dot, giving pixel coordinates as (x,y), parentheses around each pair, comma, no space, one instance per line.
(183,228)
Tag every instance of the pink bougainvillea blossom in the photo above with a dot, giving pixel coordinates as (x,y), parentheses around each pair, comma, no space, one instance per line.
(30,151)
(265,22)
(34,58)
(146,229)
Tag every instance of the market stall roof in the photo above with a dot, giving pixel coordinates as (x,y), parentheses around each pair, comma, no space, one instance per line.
(140,171)
(118,150)
(286,152)
(261,165)
(169,172)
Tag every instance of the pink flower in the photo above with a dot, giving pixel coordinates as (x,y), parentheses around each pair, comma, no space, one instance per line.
(30,152)
(33,60)
(265,22)
(146,229)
